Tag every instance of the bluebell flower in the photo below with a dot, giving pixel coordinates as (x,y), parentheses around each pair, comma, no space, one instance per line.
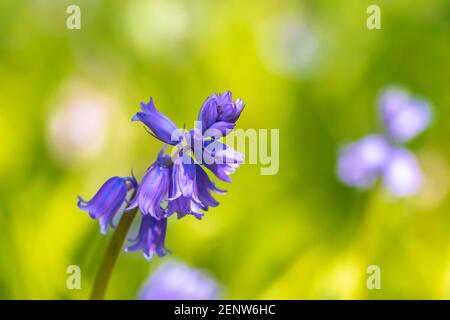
(174,184)
(151,237)
(108,201)
(183,198)
(220,113)
(198,200)
(154,187)
(361,163)
(176,281)
(404,116)
(191,189)
(183,176)
(160,125)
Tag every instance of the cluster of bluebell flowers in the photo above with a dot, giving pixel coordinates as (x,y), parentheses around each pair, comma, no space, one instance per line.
(384,155)
(175,183)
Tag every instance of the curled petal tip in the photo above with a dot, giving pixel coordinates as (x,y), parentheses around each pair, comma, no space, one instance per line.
(148,257)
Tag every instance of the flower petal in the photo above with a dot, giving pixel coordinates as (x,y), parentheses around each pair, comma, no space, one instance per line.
(153,189)
(208,112)
(160,125)
(151,237)
(219,129)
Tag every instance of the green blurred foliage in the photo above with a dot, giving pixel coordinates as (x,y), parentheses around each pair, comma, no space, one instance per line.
(296,234)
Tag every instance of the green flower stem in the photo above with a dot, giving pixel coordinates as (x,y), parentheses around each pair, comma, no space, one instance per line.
(110,257)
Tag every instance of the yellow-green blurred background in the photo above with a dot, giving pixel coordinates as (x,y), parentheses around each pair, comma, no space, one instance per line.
(309,68)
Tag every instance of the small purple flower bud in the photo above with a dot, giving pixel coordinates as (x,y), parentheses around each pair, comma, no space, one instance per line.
(229,110)
(360,163)
(151,237)
(154,188)
(404,116)
(209,112)
(220,112)
(177,281)
(160,125)
(402,174)
(108,200)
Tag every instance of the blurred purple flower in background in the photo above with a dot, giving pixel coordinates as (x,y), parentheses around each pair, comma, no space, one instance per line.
(402,175)
(404,117)
(361,163)
(174,184)
(177,281)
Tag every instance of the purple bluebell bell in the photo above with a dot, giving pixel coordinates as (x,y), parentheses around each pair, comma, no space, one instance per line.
(183,197)
(153,188)
(183,176)
(404,117)
(361,163)
(176,281)
(108,201)
(185,205)
(160,125)
(191,191)
(191,188)
(151,237)
(220,113)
